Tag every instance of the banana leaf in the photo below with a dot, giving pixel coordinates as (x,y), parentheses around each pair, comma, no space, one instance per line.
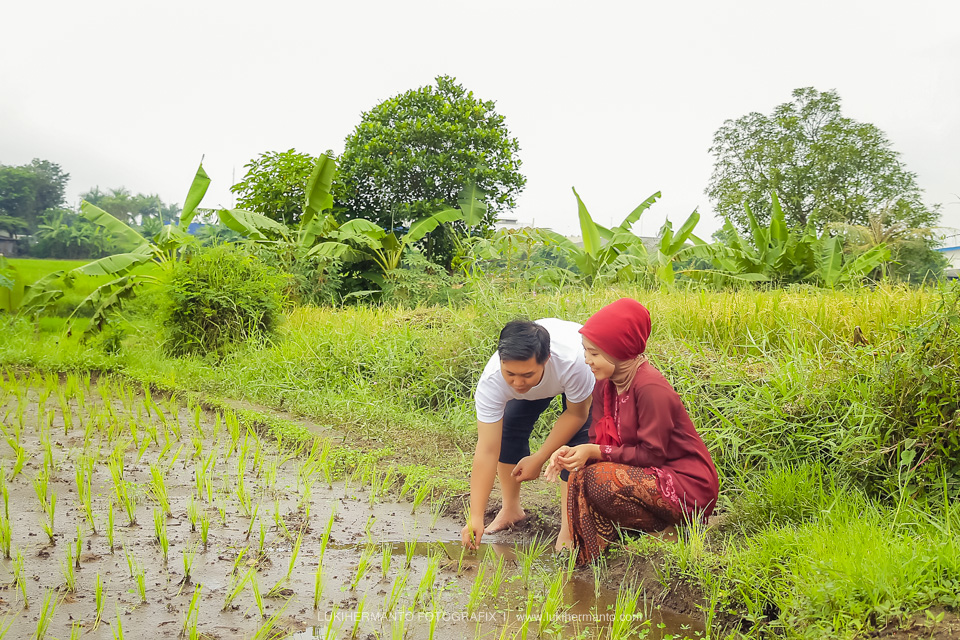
(41,294)
(12,291)
(318,196)
(336,250)
(114,265)
(171,238)
(588,228)
(120,230)
(251,225)
(198,188)
(629,221)
(724,278)
(471,203)
(425,225)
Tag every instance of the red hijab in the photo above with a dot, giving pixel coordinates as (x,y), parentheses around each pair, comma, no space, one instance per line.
(620,330)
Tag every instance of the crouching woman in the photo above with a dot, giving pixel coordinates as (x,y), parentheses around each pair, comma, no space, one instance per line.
(646,467)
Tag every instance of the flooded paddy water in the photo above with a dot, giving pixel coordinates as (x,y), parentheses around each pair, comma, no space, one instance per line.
(131,516)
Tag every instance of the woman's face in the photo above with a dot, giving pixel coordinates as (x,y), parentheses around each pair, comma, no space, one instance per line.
(599,362)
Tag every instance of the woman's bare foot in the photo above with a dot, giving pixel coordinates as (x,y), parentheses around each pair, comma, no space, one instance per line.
(505,520)
(564,542)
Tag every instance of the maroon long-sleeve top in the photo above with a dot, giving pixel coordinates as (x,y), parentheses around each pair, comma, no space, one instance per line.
(656,431)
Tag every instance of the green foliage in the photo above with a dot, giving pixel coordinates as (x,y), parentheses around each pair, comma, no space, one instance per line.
(275,185)
(64,234)
(26,191)
(143,209)
(418,282)
(16,297)
(412,154)
(825,166)
(914,261)
(221,297)
(618,255)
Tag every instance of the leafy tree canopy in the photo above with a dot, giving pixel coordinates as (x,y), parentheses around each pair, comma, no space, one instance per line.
(274,185)
(26,191)
(824,166)
(413,153)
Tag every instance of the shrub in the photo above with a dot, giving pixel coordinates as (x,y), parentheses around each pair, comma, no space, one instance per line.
(419,282)
(221,297)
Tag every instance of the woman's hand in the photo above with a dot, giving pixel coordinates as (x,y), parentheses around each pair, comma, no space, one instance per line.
(553,469)
(576,457)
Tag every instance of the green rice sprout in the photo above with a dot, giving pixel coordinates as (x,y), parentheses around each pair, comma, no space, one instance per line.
(369,526)
(159,488)
(396,591)
(436,509)
(386,557)
(79,543)
(528,556)
(293,560)
(421,494)
(262,540)
(140,581)
(255,587)
(362,565)
(318,585)
(110,527)
(409,547)
(76,630)
(192,514)
(189,553)
(552,604)
(237,588)
(325,539)
(428,579)
(19,578)
(160,533)
(6,536)
(496,581)
(204,529)
(356,618)
(19,461)
(527,617)
(624,613)
(478,589)
(398,629)
(193,611)
(117,628)
(47,610)
(69,571)
(48,523)
(98,600)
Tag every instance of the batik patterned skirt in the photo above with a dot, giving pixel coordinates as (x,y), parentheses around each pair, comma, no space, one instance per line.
(605,495)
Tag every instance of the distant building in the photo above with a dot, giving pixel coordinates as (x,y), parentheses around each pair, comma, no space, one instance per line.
(8,245)
(951,251)
(511,224)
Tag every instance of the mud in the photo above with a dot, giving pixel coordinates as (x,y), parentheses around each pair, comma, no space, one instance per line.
(107,417)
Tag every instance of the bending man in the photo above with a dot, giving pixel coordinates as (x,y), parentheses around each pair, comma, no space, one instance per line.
(534,362)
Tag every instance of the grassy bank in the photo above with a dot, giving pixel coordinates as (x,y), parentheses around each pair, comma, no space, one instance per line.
(831,415)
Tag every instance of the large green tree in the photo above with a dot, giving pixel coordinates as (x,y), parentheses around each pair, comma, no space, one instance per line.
(133,209)
(26,191)
(825,167)
(413,153)
(274,185)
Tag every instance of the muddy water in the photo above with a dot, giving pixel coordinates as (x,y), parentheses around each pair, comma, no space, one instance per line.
(381,603)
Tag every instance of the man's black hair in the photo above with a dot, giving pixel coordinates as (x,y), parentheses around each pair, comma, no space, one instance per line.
(522,340)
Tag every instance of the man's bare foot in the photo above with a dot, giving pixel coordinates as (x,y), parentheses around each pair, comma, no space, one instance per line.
(505,520)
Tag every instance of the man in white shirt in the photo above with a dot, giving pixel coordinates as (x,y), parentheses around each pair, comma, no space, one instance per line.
(534,363)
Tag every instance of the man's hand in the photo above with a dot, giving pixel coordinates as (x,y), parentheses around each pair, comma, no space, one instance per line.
(471,534)
(527,469)
(553,469)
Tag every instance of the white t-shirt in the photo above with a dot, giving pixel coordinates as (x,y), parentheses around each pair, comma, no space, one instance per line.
(564,372)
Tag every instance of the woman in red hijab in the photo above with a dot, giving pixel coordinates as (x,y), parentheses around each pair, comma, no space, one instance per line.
(646,466)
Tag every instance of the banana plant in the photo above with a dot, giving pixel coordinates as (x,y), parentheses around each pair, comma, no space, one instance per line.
(19,298)
(165,248)
(618,253)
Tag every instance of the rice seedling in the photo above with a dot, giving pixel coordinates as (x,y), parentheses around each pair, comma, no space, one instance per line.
(367,528)
(79,545)
(117,628)
(409,548)
(189,553)
(436,509)
(48,523)
(527,617)
(6,537)
(140,580)
(398,629)
(421,494)
(98,600)
(552,604)
(477,590)
(362,565)
(427,580)
(262,540)
(19,578)
(255,587)
(69,571)
(386,556)
(293,561)
(325,539)
(396,591)
(20,460)
(624,613)
(237,588)
(160,533)
(192,515)
(496,581)
(331,632)
(205,529)
(193,611)
(47,610)
(110,527)
(529,555)
(358,616)
(76,630)
(318,585)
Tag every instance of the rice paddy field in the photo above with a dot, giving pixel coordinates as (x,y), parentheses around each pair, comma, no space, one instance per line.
(314,486)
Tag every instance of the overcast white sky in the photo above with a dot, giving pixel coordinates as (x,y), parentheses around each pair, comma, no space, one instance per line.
(619,99)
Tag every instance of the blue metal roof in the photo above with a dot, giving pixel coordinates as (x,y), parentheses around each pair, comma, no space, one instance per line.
(948,249)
